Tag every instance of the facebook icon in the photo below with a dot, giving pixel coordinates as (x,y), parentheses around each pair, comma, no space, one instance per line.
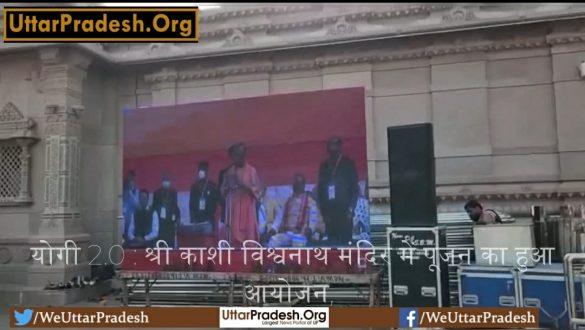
(408,317)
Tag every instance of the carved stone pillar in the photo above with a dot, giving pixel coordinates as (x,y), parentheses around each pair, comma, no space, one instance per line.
(62,160)
(62,74)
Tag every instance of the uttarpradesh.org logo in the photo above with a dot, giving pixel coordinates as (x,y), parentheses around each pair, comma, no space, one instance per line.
(408,317)
(23,318)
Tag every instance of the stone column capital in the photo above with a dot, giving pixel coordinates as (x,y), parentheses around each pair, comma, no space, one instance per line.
(50,55)
(70,57)
(58,113)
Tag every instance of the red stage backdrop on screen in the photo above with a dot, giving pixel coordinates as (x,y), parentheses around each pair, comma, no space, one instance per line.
(285,134)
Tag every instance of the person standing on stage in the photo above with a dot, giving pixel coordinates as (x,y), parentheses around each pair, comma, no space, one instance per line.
(166,208)
(241,188)
(130,196)
(203,201)
(143,228)
(337,192)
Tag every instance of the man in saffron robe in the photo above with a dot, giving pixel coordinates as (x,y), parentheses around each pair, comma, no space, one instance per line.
(241,188)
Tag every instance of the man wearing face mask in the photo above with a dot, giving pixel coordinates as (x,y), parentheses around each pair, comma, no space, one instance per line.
(203,201)
(166,208)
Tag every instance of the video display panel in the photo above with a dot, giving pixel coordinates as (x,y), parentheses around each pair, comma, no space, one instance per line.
(286,170)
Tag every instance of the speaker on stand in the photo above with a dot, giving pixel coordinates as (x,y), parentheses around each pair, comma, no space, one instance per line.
(411,159)
(423,280)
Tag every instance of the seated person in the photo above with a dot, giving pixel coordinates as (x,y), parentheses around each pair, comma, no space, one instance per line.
(361,217)
(268,209)
(300,216)
(480,216)
(203,201)
(361,220)
(143,227)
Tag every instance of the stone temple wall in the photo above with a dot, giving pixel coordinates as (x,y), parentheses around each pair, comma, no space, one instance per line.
(507,106)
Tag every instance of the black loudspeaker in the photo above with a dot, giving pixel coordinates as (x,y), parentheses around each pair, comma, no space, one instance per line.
(412,175)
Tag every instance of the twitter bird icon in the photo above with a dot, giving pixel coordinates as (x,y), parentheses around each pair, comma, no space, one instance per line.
(24,317)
